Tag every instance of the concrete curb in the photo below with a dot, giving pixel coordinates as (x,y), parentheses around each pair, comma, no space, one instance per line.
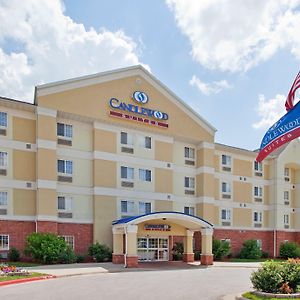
(24,280)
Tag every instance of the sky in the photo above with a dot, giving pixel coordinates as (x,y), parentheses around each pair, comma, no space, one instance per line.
(232,61)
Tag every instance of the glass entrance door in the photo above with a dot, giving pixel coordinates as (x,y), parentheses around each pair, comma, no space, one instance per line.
(153,249)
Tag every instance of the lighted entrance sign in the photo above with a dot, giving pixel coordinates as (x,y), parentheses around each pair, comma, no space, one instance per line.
(141,98)
(157,227)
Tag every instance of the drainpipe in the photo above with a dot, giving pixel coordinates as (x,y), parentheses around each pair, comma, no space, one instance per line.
(125,256)
(274,238)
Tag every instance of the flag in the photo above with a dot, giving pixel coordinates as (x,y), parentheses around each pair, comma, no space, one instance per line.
(283,131)
(289,104)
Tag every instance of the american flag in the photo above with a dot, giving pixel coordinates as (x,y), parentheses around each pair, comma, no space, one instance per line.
(289,104)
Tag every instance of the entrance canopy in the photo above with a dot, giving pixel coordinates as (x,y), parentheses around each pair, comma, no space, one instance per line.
(190,222)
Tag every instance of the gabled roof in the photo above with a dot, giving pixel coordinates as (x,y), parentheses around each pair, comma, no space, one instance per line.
(59,86)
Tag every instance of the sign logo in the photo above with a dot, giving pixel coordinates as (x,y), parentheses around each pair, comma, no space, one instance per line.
(157,227)
(140,97)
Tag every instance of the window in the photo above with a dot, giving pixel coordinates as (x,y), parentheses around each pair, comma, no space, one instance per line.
(69,239)
(64,130)
(64,203)
(226,160)
(144,208)
(259,244)
(226,187)
(147,142)
(286,172)
(226,214)
(3,198)
(127,208)
(126,138)
(257,217)
(65,166)
(286,195)
(226,240)
(190,210)
(258,191)
(189,182)
(127,173)
(189,152)
(144,175)
(257,166)
(286,219)
(3,119)
(3,159)
(4,242)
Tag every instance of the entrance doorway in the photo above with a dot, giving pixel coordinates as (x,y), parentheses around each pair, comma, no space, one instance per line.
(153,249)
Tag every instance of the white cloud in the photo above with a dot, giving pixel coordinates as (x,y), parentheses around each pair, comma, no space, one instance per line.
(270,111)
(234,35)
(51,46)
(209,88)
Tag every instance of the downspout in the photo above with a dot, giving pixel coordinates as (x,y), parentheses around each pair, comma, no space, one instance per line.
(274,238)
(125,255)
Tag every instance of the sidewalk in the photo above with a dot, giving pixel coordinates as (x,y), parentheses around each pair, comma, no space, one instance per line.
(96,268)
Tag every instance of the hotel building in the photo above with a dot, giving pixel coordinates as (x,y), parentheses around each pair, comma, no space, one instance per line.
(118,158)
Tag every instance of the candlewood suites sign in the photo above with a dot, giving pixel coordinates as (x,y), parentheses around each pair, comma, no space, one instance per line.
(157,227)
(136,112)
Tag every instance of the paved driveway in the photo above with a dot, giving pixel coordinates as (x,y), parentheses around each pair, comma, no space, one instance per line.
(192,283)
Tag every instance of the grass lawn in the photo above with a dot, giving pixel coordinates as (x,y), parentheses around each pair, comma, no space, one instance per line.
(254,297)
(21,264)
(7,278)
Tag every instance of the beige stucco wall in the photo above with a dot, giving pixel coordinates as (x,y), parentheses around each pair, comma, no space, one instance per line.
(163,181)
(242,192)
(46,202)
(161,205)
(205,157)
(24,166)
(105,173)
(105,141)
(105,211)
(24,202)
(46,164)
(205,185)
(242,168)
(163,151)
(46,128)
(175,229)
(242,217)
(24,130)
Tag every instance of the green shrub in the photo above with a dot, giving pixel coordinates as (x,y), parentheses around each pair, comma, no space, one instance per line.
(13,254)
(68,256)
(177,251)
(277,277)
(48,248)
(220,249)
(80,258)
(250,250)
(289,250)
(100,253)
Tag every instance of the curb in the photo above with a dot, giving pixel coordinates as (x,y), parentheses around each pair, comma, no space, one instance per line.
(23,280)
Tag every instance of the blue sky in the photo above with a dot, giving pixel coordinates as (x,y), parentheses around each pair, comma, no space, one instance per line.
(234,69)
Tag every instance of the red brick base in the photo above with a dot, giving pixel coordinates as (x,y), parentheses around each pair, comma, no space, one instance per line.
(188,257)
(131,261)
(207,260)
(118,258)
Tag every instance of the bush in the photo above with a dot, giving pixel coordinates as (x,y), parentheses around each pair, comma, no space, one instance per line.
(177,251)
(100,253)
(250,250)
(275,277)
(289,250)
(48,248)
(220,249)
(13,254)
(80,258)
(68,256)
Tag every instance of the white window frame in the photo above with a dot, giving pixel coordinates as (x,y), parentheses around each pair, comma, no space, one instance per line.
(143,175)
(189,182)
(67,131)
(191,210)
(259,244)
(67,239)
(129,139)
(228,215)
(259,216)
(128,213)
(228,184)
(228,160)
(287,174)
(129,171)
(67,204)
(189,153)
(145,144)
(286,195)
(286,219)
(259,193)
(145,203)
(258,167)
(66,161)
(226,240)
(3,115)
(2,236)
(2,194)
(3,159)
